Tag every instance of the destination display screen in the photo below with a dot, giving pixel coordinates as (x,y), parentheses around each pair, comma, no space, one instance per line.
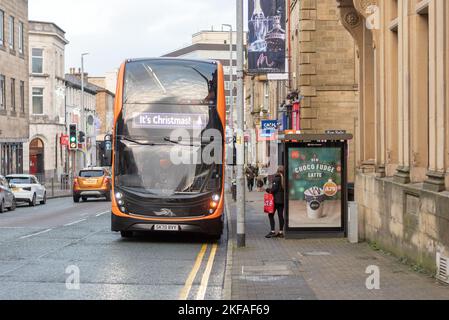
(170,120)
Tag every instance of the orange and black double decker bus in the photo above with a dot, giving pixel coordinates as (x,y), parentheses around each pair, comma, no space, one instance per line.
(168,147)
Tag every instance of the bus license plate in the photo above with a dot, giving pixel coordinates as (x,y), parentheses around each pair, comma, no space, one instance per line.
(166,227)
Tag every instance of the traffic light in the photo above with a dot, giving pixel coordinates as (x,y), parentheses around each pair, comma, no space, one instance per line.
(82,137)
(73,137)
(106,151)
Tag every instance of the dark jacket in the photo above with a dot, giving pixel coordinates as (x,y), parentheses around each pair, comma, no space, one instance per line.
(249,173)
(277,191)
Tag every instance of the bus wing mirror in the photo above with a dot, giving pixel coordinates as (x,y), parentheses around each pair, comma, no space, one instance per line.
(106,159)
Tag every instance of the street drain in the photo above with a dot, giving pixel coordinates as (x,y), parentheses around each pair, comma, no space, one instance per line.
(315,254)
(263,278)
(267,271)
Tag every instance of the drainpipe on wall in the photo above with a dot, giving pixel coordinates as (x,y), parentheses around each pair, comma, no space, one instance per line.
(289,45)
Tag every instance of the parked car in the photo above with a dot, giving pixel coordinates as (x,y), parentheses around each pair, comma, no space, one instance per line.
(7,198)
(26,188)
(92,182)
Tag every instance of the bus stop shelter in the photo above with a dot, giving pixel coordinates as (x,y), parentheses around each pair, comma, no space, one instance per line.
(316,204)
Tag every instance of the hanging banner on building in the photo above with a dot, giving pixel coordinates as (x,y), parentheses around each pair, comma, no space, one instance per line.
(267,36)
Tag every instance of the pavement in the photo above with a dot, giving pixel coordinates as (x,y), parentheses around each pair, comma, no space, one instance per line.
(45,249)
(58,193)
(315,269)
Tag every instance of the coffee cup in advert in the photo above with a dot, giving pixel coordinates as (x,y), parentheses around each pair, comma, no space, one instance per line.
(315,198)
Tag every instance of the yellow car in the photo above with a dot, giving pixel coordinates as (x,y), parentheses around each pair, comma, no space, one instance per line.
(92,183)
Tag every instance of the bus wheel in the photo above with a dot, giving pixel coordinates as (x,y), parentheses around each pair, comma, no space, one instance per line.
(126,234)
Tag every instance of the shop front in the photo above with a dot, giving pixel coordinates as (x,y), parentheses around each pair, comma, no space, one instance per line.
(316,185)
(11,158)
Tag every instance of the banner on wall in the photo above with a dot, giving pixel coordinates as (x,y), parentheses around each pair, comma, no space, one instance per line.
(267,36)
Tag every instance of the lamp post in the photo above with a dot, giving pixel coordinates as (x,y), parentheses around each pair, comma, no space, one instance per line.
(83,116)
(241,212)
(231,77)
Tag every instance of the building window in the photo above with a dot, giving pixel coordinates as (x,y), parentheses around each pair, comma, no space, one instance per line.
(228,101)
(2,28)
(37,60)
(21,41)
(11,33)
(13,94)
(2,93)
(11,158)
(38,101)
(22,96)
(227,85)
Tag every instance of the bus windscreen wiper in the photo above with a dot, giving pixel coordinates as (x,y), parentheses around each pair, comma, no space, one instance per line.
(191,143)
(142,143)
(167,139)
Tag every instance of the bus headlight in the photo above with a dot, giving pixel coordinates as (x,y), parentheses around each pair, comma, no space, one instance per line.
(214,203)
(120,202)
(119,195)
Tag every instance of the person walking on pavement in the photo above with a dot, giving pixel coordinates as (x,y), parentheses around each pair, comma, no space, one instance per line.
(250,177)
(278,191)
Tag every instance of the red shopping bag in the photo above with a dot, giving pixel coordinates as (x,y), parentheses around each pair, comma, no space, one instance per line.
(268,200)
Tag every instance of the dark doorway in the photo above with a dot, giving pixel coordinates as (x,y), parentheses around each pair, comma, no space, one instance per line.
(37,164)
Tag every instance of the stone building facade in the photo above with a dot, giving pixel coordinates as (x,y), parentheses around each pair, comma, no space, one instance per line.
(45,156)
(323,66)
(323,70)
(402,149)
(14,88)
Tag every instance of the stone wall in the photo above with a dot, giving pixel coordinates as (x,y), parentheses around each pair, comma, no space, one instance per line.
(324,70)
(13,64)
(403,219)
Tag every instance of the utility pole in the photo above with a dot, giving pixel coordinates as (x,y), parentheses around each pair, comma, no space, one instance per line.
(83,115)
(231,95)
(241,237)
(231,77)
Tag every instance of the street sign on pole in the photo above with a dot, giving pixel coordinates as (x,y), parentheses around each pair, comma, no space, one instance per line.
(64,140)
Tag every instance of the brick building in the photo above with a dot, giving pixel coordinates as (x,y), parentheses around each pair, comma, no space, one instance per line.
(14,86)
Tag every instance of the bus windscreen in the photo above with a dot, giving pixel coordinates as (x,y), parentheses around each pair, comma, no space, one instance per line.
(170,82)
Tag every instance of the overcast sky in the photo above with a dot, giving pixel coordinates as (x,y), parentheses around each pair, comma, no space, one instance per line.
(113,30)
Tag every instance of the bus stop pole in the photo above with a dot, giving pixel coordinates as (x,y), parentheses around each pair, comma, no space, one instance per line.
(241,241)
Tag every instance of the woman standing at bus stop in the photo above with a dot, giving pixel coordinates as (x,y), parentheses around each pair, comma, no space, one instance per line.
(278,191)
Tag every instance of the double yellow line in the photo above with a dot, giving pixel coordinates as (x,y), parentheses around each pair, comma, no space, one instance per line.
(206,275)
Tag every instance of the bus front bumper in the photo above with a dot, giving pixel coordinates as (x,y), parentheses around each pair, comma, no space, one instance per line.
(211,227)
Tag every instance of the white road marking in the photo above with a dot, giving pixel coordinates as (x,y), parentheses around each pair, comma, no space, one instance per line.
(12,228)
(73,223)
(103,213)
(36,234)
